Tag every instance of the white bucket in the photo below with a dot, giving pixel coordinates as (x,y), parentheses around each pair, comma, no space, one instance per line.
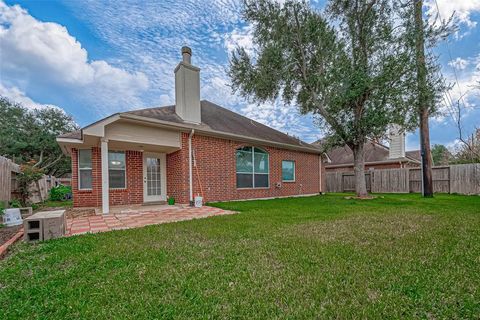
(198,202)
(12,217)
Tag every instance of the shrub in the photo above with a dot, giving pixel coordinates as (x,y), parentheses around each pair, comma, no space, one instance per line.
(60,193)
(15,203)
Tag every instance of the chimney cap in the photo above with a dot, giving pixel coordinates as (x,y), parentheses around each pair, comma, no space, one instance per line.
(186,49)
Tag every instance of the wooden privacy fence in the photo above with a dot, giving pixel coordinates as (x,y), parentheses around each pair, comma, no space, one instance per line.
(8,171)
(461,178)
(9,185)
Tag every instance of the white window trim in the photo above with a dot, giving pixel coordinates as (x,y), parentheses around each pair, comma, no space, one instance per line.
(253,170)
(109,184)
(79,169)
(294,171)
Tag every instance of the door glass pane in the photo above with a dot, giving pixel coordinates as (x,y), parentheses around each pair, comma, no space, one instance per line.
(153,177)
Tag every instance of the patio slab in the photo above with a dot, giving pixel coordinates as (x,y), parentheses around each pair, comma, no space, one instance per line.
(136,217)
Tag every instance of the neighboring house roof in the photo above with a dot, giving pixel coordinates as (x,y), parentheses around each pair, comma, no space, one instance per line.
(414,154)
(374,152)
(218,119)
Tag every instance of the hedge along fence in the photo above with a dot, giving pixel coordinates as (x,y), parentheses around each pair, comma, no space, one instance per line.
(461,178)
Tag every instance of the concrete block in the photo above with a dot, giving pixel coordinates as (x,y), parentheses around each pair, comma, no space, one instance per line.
(45,225)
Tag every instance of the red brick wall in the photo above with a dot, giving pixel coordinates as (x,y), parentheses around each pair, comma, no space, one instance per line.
(133,194)
(93,197)
(216,171)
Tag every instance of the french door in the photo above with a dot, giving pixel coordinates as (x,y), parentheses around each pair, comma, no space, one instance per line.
(154,177)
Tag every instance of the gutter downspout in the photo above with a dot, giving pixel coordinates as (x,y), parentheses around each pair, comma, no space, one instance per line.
(190,175)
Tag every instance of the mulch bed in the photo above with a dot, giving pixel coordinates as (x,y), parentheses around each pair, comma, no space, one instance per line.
(6,233)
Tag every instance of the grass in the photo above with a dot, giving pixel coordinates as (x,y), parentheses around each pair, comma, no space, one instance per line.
(53,204)
(397,256)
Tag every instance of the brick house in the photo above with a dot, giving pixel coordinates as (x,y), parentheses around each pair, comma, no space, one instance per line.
(192,148)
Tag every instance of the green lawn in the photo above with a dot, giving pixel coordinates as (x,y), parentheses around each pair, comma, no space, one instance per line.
(398,256)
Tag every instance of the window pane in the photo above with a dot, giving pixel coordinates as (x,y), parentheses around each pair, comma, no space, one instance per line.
(244,180)
(85,177)
(116,178)
(116,160)
(288,170)
(244,161)
(261,161)
(85,158)
(261,180)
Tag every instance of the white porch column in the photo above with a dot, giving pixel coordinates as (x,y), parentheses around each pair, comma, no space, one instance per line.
(105,185)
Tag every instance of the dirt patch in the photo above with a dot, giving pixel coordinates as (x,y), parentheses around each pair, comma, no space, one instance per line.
(6,233)
(79,212)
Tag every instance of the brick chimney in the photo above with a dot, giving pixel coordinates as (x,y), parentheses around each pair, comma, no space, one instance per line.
(187,89)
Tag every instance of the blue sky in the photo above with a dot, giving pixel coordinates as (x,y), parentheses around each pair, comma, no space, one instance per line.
(93,58)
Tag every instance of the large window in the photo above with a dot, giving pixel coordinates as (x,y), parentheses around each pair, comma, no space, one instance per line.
(288,171)
(252,168)
(116,170)
(85,169)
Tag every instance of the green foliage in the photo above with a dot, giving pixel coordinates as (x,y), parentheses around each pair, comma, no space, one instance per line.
(15,203)
(27,135)
(324,257)
(60,193)
(349,67)
(440,155)
(29,174)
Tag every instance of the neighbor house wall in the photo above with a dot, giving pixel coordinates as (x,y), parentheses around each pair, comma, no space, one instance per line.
(215,171)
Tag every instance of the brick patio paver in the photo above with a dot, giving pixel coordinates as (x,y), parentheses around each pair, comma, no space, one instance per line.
(137,219)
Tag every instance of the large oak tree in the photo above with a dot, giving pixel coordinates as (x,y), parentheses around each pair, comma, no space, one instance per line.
(349,66)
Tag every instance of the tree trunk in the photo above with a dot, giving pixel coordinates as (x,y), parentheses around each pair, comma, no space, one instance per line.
(426,155)
(423,109)
(359,170)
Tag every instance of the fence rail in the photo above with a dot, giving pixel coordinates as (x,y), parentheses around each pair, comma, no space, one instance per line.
(461,178)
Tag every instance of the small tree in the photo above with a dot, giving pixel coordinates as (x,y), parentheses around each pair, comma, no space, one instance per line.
(346,66)
(28,174)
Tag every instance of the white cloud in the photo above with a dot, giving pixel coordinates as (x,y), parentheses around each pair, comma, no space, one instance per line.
(16,95)
(458,63)
(242,37)
(462,10)
(37,56)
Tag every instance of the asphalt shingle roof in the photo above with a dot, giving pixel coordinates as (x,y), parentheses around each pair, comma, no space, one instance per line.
(217,118)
